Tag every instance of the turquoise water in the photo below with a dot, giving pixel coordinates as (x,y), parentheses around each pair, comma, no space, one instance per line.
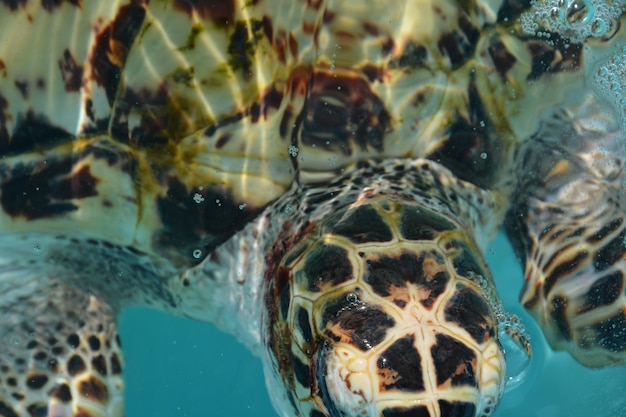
(180,368)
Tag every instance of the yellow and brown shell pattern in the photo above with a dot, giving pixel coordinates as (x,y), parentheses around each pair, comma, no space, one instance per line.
(317,177)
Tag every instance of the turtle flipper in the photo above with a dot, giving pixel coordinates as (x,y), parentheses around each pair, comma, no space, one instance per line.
(60,354)
(568,227)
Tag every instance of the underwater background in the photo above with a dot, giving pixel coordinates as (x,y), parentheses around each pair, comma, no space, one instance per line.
(181,368)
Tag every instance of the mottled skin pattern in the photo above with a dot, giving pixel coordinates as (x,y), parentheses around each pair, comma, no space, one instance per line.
(318,178)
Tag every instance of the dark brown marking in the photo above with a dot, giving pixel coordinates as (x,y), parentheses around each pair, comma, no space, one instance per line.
(112,45)
(374,73)
(301,371)
(94,390)
(413,55)
(471,311)
(564,268)
(389,277)
(75,365)
(13,5)
(605,290)
(387,47)
(223,140)
(419,411)
(362,225)
(62,393)
(611,253)
(421,224)
(284,299)
(558,55)
(241,47)
(5,142)
(116,364)
(32,344)
(40,356)
(50,5)
(37,410)
(73,340)
(460,44)
(350,320)
(221,12)
(468,139)
(31,132)
(502,59)
(400,367)
(457,409)
(341,110)
(612,333)
(36,381)
(22,86)
(558,312)
(99,364)
(606,230)
(71,72)
(315,413)
(304,325)
(94,343)
(188,226)
(466,263)
(509,9)
(327,266)
(454,362)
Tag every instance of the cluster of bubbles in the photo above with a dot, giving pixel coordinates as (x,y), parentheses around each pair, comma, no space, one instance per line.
(514,338)
(576,20)
(610,80)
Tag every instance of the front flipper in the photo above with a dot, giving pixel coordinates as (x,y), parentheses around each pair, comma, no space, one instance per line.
(60,354)
(568,225)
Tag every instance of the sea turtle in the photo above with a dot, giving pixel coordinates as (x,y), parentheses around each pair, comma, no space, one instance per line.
(317,177)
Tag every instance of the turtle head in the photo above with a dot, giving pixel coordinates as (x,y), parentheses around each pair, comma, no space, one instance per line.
(380,309)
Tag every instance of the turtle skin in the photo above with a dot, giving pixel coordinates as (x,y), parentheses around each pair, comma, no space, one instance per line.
(318,178)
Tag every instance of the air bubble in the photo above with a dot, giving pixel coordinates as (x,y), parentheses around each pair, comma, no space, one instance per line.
(197,197)
(351,297)
(293,150)
(483,155)
(517,350)
(197,254)
(243,206)
(15,341)
(575,20)
(37,248)
(599,27)
(580,12)
(557,14)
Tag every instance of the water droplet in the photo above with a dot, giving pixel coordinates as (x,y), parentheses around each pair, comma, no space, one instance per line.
(197,253)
